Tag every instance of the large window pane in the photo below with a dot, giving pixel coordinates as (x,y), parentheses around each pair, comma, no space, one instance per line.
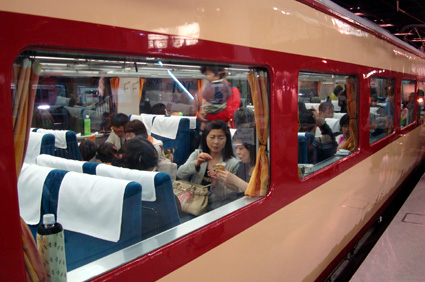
(327,109)
(421,102)
(381,108)
(407,115)
(186,109)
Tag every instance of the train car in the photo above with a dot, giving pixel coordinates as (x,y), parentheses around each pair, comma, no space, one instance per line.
(310,197)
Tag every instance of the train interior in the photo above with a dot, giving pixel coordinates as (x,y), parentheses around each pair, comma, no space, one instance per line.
(73,87)
(340,93)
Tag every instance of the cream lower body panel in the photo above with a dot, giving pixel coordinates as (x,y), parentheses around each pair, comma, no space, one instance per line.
(299,241)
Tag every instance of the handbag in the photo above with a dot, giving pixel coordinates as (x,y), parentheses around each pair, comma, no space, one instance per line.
(193,197)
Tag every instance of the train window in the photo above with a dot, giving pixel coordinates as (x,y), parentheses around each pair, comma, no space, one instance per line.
(327,111)
(381,113)
(199,126)
(407,115)
(421,102)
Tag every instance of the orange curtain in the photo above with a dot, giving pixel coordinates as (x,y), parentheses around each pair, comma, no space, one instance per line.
(25,79)
(142,82)
(351,89)
(319,86)
(115,83)
(23,107)
(200,85)
(259,182)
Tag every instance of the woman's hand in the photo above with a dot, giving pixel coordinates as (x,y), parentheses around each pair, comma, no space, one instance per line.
(225,176)
(202,157)
(213,176)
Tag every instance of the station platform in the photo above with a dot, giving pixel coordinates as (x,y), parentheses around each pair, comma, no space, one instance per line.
(399,254)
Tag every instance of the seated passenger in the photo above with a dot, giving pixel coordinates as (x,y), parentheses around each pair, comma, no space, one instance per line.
(107,152)
(200,168)
(117,125)
(342,101)
(159,109)
(301,107)
(138,153)
(379,122)
(136,128)
(325,145)
(335,94)
(344,124)
(244,116)
(244,141)
(88,150)
(326,110)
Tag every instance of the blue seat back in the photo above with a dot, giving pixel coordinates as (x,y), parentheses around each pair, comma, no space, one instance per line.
(80,248)
(302,149)
(158,215)
(161,214)
(72,151)
(48,144)
(181,142)
(311,150)
(49,200)
(306,151)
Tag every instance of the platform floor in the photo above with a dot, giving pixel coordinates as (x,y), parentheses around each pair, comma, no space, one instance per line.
(399,255)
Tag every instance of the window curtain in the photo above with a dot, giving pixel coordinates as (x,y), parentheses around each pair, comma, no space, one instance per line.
(200,86)
(351,89)
(115,83)
(142,82)
(25,79)
(23,106)
(259,182)
(319,86)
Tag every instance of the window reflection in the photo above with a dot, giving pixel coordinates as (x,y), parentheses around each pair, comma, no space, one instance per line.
(381,112)
(327,111)
(156,110)
(407,115)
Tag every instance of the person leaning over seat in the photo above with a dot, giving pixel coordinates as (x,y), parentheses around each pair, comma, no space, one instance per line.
(200,168)
(137,128)
(118,123)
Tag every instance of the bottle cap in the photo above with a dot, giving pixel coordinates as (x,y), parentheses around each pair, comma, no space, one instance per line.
(49,219)
(87,116)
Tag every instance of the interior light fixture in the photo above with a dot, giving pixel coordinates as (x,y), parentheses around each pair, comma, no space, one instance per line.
(403,33)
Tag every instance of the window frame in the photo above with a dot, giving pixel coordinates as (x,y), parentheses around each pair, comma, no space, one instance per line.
(411,125)
(146,246)
(396,114)
(328,164)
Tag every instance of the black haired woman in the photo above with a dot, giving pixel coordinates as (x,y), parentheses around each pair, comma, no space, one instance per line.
(244,141)
(201,166)
(138,153)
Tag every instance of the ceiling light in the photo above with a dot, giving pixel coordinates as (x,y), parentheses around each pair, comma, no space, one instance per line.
(403,33)
(386,25)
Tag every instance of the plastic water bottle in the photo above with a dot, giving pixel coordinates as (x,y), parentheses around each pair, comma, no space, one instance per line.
(51,246)
(87,129)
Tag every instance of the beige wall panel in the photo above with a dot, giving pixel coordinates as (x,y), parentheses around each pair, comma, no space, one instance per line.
(286,26)
(297,242)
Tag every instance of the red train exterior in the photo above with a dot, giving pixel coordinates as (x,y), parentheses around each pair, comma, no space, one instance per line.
(22,32)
